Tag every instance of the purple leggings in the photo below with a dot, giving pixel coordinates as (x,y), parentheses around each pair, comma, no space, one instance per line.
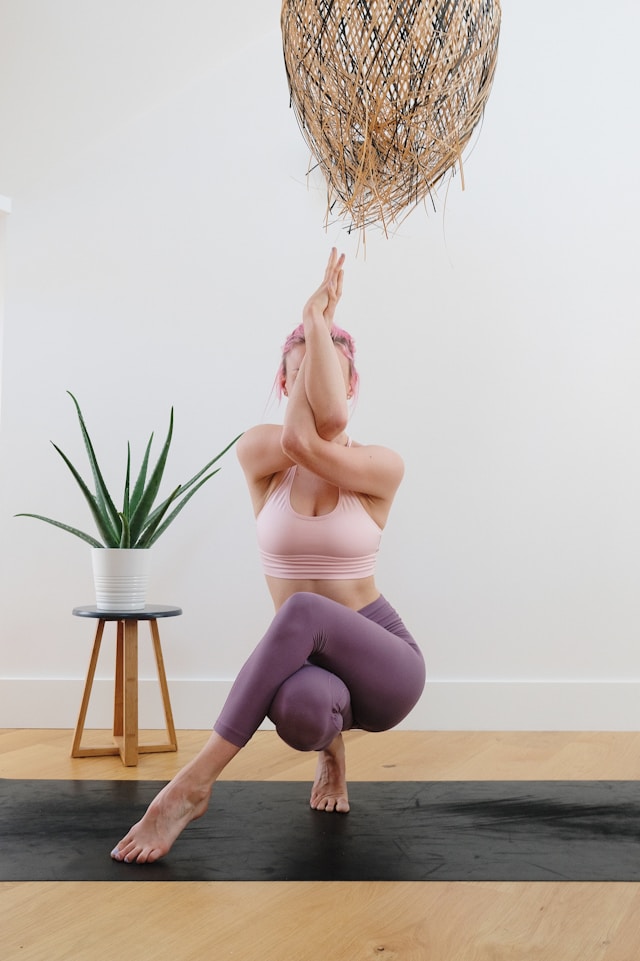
(323,668)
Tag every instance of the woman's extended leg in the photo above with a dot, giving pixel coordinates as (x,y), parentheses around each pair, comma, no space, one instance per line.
(181,801)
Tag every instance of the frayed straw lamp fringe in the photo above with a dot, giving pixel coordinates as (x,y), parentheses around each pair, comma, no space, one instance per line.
(387,94)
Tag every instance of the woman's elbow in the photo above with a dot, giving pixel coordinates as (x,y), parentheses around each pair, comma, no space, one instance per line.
(331,427)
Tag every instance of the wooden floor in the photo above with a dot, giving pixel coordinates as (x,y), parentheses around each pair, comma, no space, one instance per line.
(341,921)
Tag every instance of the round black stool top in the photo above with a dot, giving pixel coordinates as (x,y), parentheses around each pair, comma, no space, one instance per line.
(148,613)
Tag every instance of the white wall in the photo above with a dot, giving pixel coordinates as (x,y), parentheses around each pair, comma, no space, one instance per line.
(162,241)
(5,210)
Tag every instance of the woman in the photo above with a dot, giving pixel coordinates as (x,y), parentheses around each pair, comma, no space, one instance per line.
(336,655)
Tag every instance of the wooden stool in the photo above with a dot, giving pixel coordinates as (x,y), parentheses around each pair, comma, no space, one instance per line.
(125,706)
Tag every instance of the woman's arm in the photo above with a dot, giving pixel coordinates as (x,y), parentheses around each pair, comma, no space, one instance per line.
(259,450)
(373,471)
(324,376)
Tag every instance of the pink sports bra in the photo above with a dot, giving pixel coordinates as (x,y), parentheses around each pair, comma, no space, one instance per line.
(340,545)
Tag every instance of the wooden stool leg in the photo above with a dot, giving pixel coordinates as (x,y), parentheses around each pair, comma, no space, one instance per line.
(76,749)
(118,690)
(128,742)
(162,678)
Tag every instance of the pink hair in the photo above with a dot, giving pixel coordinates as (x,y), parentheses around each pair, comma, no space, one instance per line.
(341,339)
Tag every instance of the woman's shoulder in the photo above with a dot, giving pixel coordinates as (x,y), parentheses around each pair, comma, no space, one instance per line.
(258,438)
(260,453)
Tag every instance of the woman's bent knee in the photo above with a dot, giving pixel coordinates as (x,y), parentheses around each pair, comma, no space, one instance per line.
(310,709)
(308,733)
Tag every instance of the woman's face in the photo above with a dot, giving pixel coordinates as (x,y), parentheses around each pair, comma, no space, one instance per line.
(293,362)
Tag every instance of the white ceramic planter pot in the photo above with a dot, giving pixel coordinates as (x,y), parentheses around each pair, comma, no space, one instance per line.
(121,576)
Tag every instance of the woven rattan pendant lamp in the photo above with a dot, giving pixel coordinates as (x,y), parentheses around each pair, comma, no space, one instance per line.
(387,94)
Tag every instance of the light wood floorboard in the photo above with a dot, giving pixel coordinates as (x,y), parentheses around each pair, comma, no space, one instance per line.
(330,921)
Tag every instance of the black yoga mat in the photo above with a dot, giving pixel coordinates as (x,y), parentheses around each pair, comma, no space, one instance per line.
(398,831)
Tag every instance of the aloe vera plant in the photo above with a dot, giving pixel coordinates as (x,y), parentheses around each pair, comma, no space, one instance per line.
(139,524)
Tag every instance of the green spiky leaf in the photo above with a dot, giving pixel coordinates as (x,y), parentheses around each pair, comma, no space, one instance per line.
(145,504)
(138,489)
(108,533)
(151,536)
(65,527)
(107,507)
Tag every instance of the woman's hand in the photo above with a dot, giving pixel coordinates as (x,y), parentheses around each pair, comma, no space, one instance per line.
(333,278)
(325,299)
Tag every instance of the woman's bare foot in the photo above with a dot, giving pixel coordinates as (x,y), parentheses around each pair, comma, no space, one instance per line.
(167,816)
(181,801)
(329,791)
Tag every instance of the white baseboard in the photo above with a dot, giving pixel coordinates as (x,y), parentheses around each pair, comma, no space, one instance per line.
(445,705)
